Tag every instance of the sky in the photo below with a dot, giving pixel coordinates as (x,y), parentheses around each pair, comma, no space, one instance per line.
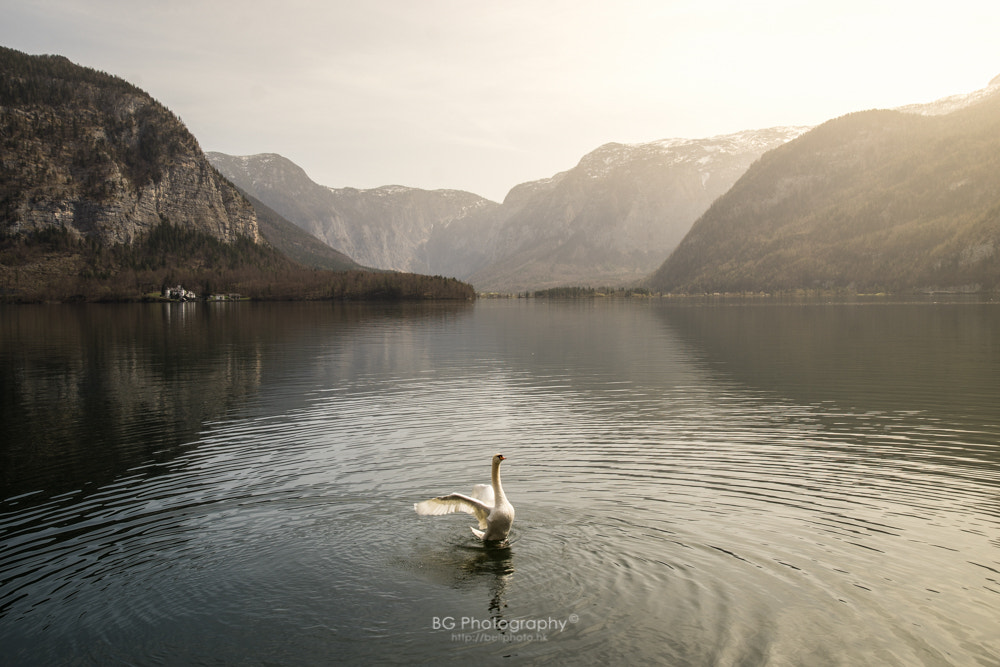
(482,96)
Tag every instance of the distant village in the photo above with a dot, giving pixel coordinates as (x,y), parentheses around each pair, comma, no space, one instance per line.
(178,293)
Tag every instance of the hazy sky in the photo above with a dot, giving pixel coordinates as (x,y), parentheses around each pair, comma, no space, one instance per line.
(481,96)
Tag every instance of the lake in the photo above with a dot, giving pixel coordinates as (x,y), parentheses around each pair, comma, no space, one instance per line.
(696,483)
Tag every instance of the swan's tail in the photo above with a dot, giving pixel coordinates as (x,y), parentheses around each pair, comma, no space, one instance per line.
(478,533)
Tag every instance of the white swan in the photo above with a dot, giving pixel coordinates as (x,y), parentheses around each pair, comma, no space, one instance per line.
(488,504)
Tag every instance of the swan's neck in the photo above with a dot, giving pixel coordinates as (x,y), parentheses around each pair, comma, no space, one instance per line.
(497,489)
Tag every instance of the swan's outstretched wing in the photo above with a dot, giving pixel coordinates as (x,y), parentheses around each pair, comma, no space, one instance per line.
(484,493)
(456,502)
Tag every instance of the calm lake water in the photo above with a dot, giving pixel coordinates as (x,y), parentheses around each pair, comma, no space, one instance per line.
(695,484)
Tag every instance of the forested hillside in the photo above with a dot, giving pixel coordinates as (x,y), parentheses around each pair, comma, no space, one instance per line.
(872,201)
(105,195)
(53,265)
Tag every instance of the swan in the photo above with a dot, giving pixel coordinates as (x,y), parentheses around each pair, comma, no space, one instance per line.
(487,503)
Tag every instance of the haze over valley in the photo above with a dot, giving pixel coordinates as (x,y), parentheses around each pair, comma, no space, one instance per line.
(890,200)
(719,281)
(612,219)
(608,221)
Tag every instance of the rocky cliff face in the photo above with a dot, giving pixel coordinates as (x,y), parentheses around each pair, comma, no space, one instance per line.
(611,219)
(88,152)
(387,227)
(392,225)
(608,221)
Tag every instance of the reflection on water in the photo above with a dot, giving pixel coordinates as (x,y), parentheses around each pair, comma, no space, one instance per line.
(112,380)
(882,357)
(729,484)
(474,567)
(136,382)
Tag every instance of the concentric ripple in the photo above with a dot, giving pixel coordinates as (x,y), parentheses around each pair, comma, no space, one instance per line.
(684,494)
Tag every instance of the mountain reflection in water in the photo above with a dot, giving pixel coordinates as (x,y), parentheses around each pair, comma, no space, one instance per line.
(752,483)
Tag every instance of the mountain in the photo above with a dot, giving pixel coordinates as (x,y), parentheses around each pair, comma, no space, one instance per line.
(612,218)
(89,153)
(946,105)
(609,220)
(386,227)
(106,196)
(875,200)
(296,243)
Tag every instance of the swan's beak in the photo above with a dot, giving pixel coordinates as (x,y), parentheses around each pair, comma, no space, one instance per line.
(501,457)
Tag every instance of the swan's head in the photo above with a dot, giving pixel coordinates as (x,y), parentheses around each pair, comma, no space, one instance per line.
(498,458)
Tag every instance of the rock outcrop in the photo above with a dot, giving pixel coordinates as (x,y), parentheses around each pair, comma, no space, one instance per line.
(387,227)
(90,153)
(608,221)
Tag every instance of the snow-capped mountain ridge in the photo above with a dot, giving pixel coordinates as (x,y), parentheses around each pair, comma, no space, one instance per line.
(946,105)
(611,219)
(678,151)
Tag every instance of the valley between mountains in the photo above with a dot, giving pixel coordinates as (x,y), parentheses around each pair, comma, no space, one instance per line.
(105,194)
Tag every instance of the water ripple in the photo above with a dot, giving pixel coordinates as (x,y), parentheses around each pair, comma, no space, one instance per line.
(676,513)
